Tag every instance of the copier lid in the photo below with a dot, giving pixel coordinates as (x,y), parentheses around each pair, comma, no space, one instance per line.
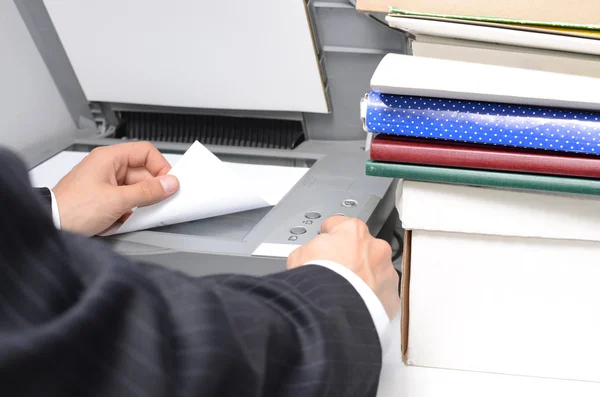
(209,54)
(42,104)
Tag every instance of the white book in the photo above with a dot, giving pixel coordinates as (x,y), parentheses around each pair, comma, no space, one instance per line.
(499,35)
(440,78)
(504,55)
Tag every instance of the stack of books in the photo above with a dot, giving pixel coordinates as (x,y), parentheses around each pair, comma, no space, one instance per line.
(493,124)
(482,125)
(496,94)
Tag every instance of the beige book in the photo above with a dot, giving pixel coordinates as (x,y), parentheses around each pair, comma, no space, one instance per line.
(504,55)
(578,12)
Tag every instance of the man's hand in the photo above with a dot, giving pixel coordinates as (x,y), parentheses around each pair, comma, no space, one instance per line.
(109,183)
(347,241)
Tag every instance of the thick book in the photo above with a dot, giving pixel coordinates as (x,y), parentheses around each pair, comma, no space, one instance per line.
(523,36)
(592,28)
(551,30)
(503,55)
(439,78)
(582,12)
(507,180)
(483,123)
(448,154)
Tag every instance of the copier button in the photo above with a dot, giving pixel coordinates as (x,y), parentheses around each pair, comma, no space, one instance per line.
(298,230)
(312,215)
(348,203)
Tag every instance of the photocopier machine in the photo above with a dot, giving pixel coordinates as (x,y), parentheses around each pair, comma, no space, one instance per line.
(259,82)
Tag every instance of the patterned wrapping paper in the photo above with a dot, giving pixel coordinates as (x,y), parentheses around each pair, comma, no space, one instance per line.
(487,123)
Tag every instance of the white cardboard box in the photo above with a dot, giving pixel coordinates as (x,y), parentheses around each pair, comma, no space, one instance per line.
(500,281)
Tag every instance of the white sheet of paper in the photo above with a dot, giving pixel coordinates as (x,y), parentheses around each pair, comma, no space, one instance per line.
(208,187)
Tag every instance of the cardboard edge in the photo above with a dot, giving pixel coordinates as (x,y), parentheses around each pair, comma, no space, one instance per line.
(404,294)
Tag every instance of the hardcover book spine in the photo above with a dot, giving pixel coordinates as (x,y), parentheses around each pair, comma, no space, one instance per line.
(507,180)
(484,123)
(429,152)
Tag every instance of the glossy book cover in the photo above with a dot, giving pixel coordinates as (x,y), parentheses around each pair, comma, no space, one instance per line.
(484,123)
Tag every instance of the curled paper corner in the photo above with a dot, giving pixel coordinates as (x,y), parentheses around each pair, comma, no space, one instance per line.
(207,188)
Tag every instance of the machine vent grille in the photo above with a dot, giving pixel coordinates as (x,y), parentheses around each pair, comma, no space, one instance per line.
(211,130)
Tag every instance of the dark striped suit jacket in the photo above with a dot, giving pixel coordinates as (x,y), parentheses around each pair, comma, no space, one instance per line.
(79,320)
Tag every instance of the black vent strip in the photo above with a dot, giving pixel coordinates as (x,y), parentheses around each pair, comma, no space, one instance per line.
(212,130)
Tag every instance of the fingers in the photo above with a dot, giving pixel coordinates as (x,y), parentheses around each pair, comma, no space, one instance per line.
(149,191)
(348,226)
(140,154)
(136,175)
(332,222)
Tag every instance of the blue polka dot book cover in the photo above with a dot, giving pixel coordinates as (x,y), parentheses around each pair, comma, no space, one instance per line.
(485,123)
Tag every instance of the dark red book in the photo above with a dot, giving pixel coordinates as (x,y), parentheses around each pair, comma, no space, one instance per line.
(451,154)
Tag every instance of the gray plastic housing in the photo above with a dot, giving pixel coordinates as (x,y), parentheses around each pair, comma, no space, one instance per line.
(350,45)
(49,113)
(42,105)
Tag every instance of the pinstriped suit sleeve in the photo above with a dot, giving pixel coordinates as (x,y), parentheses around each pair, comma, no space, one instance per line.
(78,319)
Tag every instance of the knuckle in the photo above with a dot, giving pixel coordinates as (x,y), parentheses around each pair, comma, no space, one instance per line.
(383,247)
(387,248)
(146,145)
(146,190)
(358,226)
(97,151)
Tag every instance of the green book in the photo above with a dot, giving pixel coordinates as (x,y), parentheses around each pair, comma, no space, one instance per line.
(395,11)
(461,176)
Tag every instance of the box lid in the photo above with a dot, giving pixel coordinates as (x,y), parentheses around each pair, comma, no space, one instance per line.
(474,210)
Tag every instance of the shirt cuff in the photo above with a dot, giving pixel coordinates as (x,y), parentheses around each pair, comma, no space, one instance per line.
(55,213)
(383,325)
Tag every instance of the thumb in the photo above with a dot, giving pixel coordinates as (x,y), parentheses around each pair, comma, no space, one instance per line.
(149,191)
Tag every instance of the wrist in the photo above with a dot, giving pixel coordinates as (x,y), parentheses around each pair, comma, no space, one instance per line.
(380,316)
